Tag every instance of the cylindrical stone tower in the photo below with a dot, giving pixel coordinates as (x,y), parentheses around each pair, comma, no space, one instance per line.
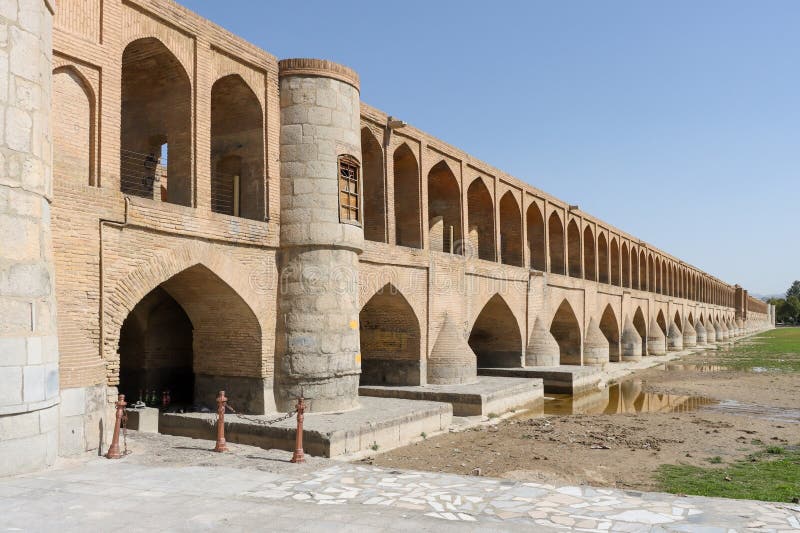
(321,235)
(29,390)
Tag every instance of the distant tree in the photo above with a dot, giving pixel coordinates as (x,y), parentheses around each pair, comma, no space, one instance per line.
(794,290)
(788,310)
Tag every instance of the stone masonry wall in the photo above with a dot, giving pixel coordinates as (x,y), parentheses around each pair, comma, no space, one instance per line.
(29,392)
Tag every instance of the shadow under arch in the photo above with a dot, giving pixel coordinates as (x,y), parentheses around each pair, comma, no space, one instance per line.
(390,340)
(566,329)
(495,336)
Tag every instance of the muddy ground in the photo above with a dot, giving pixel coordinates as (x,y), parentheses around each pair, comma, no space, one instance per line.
(621,450)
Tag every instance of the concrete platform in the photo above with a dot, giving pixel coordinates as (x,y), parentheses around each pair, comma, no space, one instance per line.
(385,422)
(562,379)
(489,395)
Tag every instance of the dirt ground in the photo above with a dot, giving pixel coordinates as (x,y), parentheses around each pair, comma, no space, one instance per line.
(620,450)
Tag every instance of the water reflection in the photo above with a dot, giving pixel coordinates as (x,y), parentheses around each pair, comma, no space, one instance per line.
(626,397)
(700,367)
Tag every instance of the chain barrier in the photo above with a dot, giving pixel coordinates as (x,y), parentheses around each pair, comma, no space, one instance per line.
(260,421)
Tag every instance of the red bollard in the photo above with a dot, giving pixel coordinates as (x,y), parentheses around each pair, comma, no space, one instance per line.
(298,456)
(113,450)
(221,401)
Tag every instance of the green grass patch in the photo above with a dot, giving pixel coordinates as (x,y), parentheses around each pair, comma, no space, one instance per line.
(770,475)
(777,349)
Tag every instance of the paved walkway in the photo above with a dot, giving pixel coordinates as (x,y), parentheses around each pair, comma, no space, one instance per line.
(102,495)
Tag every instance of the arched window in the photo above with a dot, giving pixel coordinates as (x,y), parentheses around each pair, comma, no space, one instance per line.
(73,127)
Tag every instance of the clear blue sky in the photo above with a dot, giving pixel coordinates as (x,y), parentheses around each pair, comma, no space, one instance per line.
(677,121)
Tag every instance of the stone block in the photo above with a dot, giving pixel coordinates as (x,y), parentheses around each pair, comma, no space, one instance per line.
(51,380)
(72,439)
(24,455)
(34,383)
(19,425)
(13,351)
(144,420)
(11,391)
(34,346)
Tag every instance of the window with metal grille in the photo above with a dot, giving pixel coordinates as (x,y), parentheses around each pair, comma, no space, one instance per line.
(349,204)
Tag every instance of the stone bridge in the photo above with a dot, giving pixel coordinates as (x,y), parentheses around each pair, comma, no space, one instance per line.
(222,219)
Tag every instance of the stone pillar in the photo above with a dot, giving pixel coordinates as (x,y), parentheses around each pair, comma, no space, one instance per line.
(711,332)
(318,334)
(29,389)
(674,338)
(700,332)
(631,342)
(543,349)
(689,335)
(452,361)
(595,346)
(656,341)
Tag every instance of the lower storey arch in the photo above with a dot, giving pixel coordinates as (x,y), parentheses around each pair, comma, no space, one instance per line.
(495,337)
(191,336)
(566,329)
(390,340)
(610,328)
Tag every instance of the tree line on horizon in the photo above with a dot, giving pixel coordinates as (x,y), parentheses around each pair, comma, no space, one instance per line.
(787,309)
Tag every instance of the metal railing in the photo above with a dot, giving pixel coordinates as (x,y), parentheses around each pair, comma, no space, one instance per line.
(143,175)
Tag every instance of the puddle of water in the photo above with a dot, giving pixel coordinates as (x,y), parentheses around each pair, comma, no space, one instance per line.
(627,397)
(694,367)
(776,414)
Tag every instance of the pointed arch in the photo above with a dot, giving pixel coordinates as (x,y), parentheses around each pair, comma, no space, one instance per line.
(615,270)
(643,270)
(156,121)
(238,184)
(574,249)
(510,230)
(691,318)
(536,240)
(480,220)
(589,254)
(678,321)
(73,127)
(602,258)
(662,322)
(390,340)
(406,184)
(651,280)
(635,280)
(495,336)
(372,177)
(444,209)
(555,233)
(641,327)
(609,325)
(626,266)
(566,329)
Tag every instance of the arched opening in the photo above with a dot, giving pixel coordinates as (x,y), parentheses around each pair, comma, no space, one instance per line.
(238,185)
(156,132)
(444,209)
(536,241)
(495,337)
(643,270)
(192,335)
(374,189)
(390,340)
(510,231)
(406,198)
(610,328)
(588,254)
(73,127)
(652,285)
(480,220)
(602,258)
(626,266)
(662,323)
(635,283)
(555,234)
(678,321)
(574,249)
(566,329)
(615,274)
(641,328)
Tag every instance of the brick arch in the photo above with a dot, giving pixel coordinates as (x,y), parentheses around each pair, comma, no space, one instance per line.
(391,340)
(230,71)
(139,282)
(184,62)
(495,335)
(74,132)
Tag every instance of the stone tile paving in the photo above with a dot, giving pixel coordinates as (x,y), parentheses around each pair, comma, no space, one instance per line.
(102,495)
